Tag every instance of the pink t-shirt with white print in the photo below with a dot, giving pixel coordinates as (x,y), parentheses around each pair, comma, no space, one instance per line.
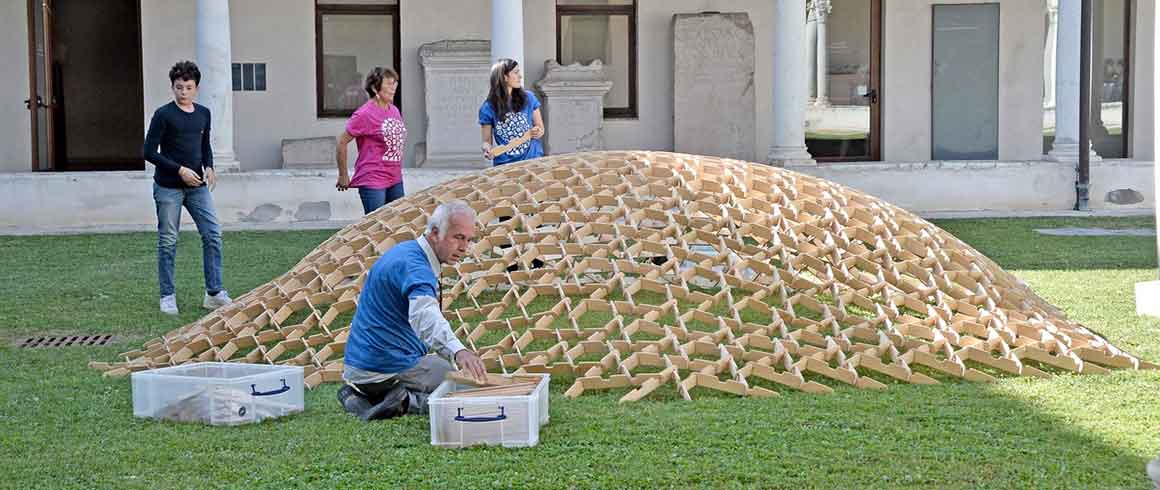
(381,137)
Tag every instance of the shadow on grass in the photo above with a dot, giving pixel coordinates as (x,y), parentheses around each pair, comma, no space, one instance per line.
(1068,432)
(1014,243)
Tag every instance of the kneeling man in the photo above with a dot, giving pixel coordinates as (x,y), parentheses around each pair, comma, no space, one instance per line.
(399,319)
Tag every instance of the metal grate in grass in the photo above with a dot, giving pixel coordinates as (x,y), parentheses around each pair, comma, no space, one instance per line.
(46,342)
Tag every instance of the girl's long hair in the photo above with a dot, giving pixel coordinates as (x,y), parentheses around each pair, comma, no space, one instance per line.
(498,97)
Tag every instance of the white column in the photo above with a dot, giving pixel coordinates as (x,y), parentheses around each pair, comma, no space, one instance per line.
(812,55)
(821,10)
(507,31)
(1148,293)
(216,88)
(789,92)
(1049,54)
(1067,117)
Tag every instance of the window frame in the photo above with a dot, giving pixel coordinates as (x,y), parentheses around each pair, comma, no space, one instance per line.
(629,112)
(350,9)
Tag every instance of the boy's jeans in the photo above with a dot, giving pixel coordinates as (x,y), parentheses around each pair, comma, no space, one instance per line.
(199,202)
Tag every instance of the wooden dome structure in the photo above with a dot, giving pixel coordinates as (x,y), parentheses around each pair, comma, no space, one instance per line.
(642,270)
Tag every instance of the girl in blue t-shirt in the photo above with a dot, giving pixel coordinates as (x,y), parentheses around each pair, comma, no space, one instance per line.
(508,113)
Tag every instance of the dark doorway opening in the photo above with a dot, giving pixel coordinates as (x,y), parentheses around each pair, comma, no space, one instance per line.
(86,71)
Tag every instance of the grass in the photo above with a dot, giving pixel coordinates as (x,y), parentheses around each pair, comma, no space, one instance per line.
(64,426)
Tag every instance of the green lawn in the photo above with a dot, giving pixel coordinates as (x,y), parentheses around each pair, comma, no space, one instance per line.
(64,426)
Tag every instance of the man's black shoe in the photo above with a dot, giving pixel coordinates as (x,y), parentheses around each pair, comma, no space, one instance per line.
(393,405)
(353,402)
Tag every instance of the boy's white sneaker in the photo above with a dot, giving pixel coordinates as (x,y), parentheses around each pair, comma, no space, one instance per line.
(169,304)
(216,301)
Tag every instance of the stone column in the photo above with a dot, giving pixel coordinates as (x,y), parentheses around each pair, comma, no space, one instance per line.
(455,75)
(1098,131)
(1049,54)
(821,10)
(789,92)
(216,88)
(1067,117)
(574,106)
(812,55)
(507,31)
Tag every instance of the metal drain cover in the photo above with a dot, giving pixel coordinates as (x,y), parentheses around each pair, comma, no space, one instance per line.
(45,342)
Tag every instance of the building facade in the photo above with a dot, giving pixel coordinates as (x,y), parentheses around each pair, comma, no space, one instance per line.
(978,101)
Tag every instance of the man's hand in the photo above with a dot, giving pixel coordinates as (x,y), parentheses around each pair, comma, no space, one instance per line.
(210,178)
(467,360)
(343,182)
(189,177)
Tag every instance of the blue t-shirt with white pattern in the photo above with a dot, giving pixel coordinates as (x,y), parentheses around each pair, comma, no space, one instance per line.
(504,130)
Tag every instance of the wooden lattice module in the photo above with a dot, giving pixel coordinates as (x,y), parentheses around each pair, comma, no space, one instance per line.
(637,270)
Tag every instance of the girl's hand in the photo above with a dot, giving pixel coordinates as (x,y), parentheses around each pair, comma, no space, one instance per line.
(537,132)
(486,150)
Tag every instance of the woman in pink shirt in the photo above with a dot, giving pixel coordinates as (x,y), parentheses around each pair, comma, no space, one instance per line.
(377,128)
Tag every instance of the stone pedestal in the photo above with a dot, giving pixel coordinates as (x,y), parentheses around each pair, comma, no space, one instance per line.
(714,105)
(573,106)
(456,75)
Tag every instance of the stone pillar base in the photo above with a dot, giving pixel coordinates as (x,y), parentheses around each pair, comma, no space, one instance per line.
(231,166)
(790,156)
(1148,298)
(1068,152)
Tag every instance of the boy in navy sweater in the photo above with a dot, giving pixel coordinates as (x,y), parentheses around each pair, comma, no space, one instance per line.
(177,143)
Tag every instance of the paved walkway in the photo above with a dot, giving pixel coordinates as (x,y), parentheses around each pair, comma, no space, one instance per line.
(1096,231)
(336,224)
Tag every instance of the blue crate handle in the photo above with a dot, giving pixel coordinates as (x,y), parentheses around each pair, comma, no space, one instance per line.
(254,390)
(497,418)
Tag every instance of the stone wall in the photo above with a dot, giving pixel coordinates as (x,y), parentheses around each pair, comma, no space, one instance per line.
(270,197)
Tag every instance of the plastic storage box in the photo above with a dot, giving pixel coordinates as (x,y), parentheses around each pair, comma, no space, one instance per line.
(218,393)
(511,421)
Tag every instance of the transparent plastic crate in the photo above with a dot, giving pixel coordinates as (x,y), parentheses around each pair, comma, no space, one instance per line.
(218,393)
(510,421)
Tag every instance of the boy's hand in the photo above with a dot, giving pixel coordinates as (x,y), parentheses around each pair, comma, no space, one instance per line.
(211,178)
(189,177)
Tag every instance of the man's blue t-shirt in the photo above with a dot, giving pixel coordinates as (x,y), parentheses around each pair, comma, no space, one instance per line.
(381,337)
(504,130)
